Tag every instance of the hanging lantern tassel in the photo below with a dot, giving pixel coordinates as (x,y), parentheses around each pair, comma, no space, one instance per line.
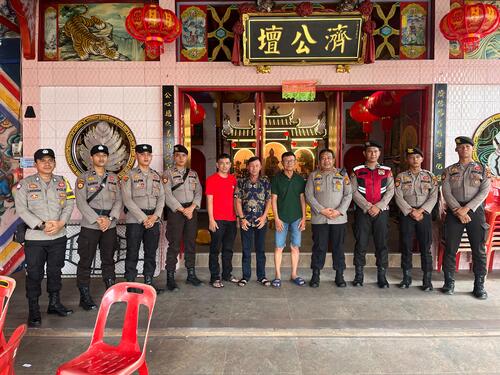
(367,127)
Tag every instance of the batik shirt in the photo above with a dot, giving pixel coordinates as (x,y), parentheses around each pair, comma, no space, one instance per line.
(254,196)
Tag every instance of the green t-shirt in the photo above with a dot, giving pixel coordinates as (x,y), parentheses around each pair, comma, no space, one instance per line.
(288,191)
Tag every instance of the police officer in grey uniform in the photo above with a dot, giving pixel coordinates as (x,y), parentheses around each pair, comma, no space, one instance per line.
(144,199)
(183,194)
(99,199)
(466,185)
(328,192)
(45,202)
(416,192)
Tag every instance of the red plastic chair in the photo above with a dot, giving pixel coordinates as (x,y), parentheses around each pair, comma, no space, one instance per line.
(7,286)
(9,351)
(127,357)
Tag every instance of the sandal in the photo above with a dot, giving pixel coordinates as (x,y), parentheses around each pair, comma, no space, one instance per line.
(217,284)
(299,281)
(276,283)
(232,279)
(264,282)
(242,282)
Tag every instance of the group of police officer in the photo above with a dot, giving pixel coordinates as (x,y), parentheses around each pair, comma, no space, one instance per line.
(45,203)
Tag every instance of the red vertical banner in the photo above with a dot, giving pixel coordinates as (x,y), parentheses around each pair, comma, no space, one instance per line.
(193,45)
(413,34)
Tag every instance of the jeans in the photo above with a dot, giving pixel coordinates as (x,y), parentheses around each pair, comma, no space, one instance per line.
(250,237)
(293,227)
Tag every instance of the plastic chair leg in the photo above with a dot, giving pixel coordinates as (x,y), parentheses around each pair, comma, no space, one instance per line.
(143,370)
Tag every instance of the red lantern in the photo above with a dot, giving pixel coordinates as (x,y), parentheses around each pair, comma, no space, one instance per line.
(315,143)
(360,113)
(197,112)
(469,23)
(383,104)
(154,26)
(254,144)
(233,144)
(286,134)
(294,143)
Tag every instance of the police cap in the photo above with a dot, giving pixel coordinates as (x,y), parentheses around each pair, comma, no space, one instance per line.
(373,144)
(40,153)
(462,140)
(143,148)
(414,151)
(180,148)
(99,148)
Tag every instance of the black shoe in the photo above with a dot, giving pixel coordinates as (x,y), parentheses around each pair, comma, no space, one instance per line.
(449,283)
(109,283)
(339,279)
(171,284)
(192,278)
(86,301)
(56,307)
(479,292)
(314,283)
(358,277)
(381,279)
(406,282)
(427,282)
(34,316)
(148,280)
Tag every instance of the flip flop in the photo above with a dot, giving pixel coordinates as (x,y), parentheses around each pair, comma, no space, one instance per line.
(217,284)
(276,283)
(264,282)
(299,281)
(242,282)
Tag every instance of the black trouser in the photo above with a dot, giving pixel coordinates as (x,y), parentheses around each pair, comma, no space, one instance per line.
(135,234)
(364,224)
(476,229)
(36,254)
(87,247)
(225,235)
(323,235)
(423,228)
(180,228)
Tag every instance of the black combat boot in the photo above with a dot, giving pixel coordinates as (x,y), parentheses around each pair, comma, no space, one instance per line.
(171,284)
(109,283)
(339,279)
(86,302)
(192,278)
(427,282)
(34,316)
(449,283)
(406,282)
(148,280)
(314,283)
(358,276)
(479,291)
(381,280)
(56,307)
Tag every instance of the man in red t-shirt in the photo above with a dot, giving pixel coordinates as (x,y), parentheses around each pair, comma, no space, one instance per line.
(220,192)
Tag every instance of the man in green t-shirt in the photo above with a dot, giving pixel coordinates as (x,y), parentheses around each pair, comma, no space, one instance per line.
(289,208)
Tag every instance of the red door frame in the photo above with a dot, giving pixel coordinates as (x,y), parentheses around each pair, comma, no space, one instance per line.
(425,130)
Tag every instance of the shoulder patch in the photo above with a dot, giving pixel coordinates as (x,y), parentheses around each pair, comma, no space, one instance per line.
(125,178)
(397,182)
(80,184)
(347,181)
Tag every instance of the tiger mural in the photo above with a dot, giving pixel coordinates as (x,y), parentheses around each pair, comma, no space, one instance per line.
(86,43)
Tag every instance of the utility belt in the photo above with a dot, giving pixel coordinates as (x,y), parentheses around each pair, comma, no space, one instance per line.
(167,209)
(101,212)
(186,205)
(149,212)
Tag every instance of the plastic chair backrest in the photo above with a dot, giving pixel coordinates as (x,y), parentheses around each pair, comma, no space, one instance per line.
(9,351)
(125,292)
(7,286)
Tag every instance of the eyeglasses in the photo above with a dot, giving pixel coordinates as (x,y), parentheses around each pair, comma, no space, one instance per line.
(289,161)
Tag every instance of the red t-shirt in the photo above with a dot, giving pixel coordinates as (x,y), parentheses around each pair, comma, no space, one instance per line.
(222,190)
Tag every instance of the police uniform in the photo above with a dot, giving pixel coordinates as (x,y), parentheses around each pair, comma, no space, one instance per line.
(371,187)
(416,190)
(106,203)
(465,185)
(143,195)
(38,201)
(328,189)
(182,189)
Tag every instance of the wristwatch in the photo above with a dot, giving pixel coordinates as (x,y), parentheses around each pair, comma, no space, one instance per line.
(42,226)
(111,218)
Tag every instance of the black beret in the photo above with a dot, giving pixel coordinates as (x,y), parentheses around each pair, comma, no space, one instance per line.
(40,153)
(413,151)
(143,148)
(462,140)
(181,148)
(373,144)
(99,148)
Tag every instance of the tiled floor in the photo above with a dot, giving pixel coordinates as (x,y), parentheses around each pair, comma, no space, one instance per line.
(292,330)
